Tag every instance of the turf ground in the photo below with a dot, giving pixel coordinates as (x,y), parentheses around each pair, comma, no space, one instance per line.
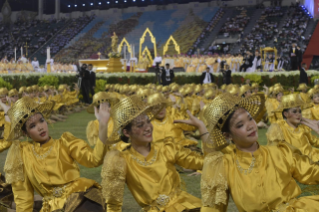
(76,124)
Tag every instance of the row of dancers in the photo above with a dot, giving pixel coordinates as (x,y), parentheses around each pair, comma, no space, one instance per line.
(139,138)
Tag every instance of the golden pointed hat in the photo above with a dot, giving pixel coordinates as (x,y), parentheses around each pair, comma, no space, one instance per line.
(46,87)
(277,89)
(223,87)
(290,101)
(157,101)
(313,91)
(217,112)
(198,88)
(107,86)
(255,85)
(29,89)
(13,92)
(302,86)
(165,89)
(209,94)
(3,91)
(101,97)
(22,89)
(35,87)
(243,89)
(124,112)
(22,110)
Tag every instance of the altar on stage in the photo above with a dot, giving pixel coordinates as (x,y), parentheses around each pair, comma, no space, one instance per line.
(98,65)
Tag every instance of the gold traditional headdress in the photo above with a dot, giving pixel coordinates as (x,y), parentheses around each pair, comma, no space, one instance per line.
(290,101)
(313,91)
(302,87)
(29,89)
(22,89)
(255,85)
(276,90)
(125,112)
(157,100)
(46,88)
(3,92)
(217,112)
(22,110)
(13,92)
(101,97)
(209,94)
(243,89)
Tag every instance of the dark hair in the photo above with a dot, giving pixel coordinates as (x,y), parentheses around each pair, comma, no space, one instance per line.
(128,128)
(24,126)
(285,110)
(226,127)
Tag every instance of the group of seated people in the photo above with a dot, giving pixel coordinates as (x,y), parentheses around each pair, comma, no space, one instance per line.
(143,135)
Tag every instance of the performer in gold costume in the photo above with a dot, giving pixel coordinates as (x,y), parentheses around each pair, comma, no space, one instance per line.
(273,102)
(49,166)
(146,167)
(291,130)
(313,111)
(259,178)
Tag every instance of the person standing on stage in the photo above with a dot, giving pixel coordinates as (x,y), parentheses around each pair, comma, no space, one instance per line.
(35,64)
(92,79)
(299,56)
(226,75)
(167,75)
(85,84)
(256,64)
(206,77)
(293,53)
(303,75)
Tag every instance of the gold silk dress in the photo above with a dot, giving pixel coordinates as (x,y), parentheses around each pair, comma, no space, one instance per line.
(271,106)
(52,171)
(167,128)
(270,186)
(193,67)
(152,180)
(300,137)
(311,113)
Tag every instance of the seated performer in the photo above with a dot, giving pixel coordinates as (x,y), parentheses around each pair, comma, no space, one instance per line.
(259,178)
(147,167)
(49,166)
(313,111)
(291,128)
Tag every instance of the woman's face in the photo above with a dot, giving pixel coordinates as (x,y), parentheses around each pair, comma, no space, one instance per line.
(161,115)
(15,98)
(315,98)
(279,96)
(4,99)
(37,128)
(243,129)
(141,130)
(248,93)
(293,116)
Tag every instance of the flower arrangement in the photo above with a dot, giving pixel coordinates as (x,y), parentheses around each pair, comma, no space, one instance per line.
(254,78)
(49,80)
(5,84)
(100,85)
(114,55)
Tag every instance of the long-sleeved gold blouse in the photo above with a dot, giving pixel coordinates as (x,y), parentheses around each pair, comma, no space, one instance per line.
(271,106)
(166,128)
(52,171)
(311,113)
(300,137)
(270,186)
(152,180)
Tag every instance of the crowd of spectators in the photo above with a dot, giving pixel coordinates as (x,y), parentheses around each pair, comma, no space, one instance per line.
(34,32)
(68,33)
(208,29)
(235,25)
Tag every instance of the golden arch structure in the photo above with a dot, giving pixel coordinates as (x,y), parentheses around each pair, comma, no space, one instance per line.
(142,40)
(124,41)
(148,54)
(177,48)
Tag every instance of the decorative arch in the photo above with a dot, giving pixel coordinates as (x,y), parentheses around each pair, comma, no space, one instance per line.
(147,52)
(177,48)
(142,39)
(124,41)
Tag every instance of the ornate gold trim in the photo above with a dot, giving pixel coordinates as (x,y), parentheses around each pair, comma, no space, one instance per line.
(142,39)
(177,48)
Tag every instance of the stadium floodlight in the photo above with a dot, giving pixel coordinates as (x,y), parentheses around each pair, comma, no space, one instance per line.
(108,2)
(69,5)
(83,5)
(125,1)
(116,2)
(75,5)
(91,4)
(100,3)
(133,0)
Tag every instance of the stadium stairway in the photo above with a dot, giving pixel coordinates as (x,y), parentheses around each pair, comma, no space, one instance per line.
(312,48)
(213,34)
(42,58)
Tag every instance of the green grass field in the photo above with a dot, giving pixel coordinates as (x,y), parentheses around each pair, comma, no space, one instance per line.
(76,124)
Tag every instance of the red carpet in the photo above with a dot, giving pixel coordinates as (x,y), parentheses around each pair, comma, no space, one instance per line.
(312,48)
